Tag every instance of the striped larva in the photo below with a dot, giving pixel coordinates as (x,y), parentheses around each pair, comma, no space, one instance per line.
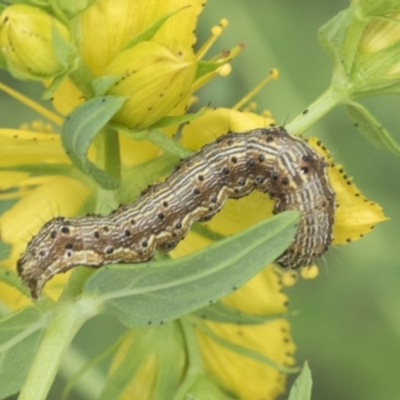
(269,160)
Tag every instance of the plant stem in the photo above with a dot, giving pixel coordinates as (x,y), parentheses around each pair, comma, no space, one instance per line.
(320,107)
(111,155)
(65,322)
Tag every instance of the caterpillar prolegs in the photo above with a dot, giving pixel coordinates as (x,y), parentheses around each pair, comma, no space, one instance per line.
(269,160)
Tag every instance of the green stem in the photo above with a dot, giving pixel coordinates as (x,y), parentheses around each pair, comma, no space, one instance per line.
(318,109)
(109,159)
(64,324)
(111,152)
(108,152)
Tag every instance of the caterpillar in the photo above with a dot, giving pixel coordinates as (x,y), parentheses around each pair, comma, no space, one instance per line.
(267,159)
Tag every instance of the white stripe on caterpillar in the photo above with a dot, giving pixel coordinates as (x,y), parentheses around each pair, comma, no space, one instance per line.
(269,160)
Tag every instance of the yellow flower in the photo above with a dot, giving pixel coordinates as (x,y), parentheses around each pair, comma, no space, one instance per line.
(34,44)
(153,78)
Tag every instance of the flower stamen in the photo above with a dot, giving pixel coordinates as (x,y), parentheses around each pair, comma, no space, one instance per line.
(223,58)
(273,74)
(216,31)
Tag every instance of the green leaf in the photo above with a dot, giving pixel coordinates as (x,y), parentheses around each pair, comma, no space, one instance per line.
(20,335)
(332,37)
(155,292)
(371,129)
(301,389)
(221,312)
(81,127)
(152,29)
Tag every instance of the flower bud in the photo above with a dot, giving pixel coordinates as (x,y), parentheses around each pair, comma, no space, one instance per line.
(34,44)
(379,48)
(153,79)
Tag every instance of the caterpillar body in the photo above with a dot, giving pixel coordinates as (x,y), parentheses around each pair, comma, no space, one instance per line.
(269,160)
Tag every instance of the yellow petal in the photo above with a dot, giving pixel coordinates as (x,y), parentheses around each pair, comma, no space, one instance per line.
(67,97)
(179,30)
(134,152)
(249,379)
(21,147)
(142,386)
(153,79)
(60,196)
(107,27)
(216,122)
(355,215)
(261,295)
(11,179)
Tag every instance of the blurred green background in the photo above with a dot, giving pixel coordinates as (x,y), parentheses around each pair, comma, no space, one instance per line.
(346,322)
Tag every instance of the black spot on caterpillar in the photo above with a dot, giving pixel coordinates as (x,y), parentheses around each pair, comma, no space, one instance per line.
(269,160)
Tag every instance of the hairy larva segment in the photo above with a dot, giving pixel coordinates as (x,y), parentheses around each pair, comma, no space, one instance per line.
(268,160)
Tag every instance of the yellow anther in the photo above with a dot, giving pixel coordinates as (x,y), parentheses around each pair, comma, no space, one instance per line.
(37,125)
(251,107)
(224,70)
(223,23)
(216,30)
(274,73)
(267,113)
(310,272)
